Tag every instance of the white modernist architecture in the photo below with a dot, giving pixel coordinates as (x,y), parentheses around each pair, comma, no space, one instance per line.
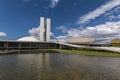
(45,29)
(80,40)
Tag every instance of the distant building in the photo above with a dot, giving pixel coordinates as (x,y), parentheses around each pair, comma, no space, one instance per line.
(116,41)
(45,29)
(80,40)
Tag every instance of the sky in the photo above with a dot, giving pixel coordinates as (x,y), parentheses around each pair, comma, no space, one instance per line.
(100,19)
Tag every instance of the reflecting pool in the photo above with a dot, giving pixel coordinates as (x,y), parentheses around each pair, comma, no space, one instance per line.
(56,66)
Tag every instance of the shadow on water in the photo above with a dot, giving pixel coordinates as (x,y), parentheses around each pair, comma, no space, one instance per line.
(54,66)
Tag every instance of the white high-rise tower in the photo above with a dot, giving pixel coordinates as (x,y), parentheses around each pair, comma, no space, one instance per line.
(45,29)
(41,29)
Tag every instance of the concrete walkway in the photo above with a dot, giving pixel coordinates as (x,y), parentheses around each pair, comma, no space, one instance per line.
(113,49)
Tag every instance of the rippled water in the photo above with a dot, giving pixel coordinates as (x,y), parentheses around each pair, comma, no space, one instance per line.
(52,66)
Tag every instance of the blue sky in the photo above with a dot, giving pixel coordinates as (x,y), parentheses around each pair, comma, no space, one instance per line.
(70,18)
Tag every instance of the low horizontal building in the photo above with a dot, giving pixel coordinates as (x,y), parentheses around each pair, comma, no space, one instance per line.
(9,45)
(80,40)
(116,41)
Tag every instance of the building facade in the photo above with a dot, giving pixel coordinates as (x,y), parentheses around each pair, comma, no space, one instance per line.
(45,29)
(116,41)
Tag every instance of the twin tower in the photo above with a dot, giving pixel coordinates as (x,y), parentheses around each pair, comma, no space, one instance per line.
(45,29)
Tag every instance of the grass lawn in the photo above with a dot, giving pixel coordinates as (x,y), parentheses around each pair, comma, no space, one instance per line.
(116,45)
(85,52)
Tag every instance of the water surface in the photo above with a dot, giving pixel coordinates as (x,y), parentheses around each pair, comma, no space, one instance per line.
(54,66)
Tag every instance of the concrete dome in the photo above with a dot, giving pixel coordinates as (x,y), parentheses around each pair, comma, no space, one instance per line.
(28,38)
(80,40)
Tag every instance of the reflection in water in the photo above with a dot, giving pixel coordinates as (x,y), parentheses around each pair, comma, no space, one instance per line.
(48,66)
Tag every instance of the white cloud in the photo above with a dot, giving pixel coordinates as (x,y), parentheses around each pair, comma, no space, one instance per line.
(35,32)
(2,34)
(99,11)
(117,9)
(112,17)
(34,35)
(103,32)
(60,39)
(53,3)
(62,28)
(47,3)
(51,34)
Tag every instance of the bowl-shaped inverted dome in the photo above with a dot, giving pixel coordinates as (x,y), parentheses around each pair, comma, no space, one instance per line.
(80,40)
